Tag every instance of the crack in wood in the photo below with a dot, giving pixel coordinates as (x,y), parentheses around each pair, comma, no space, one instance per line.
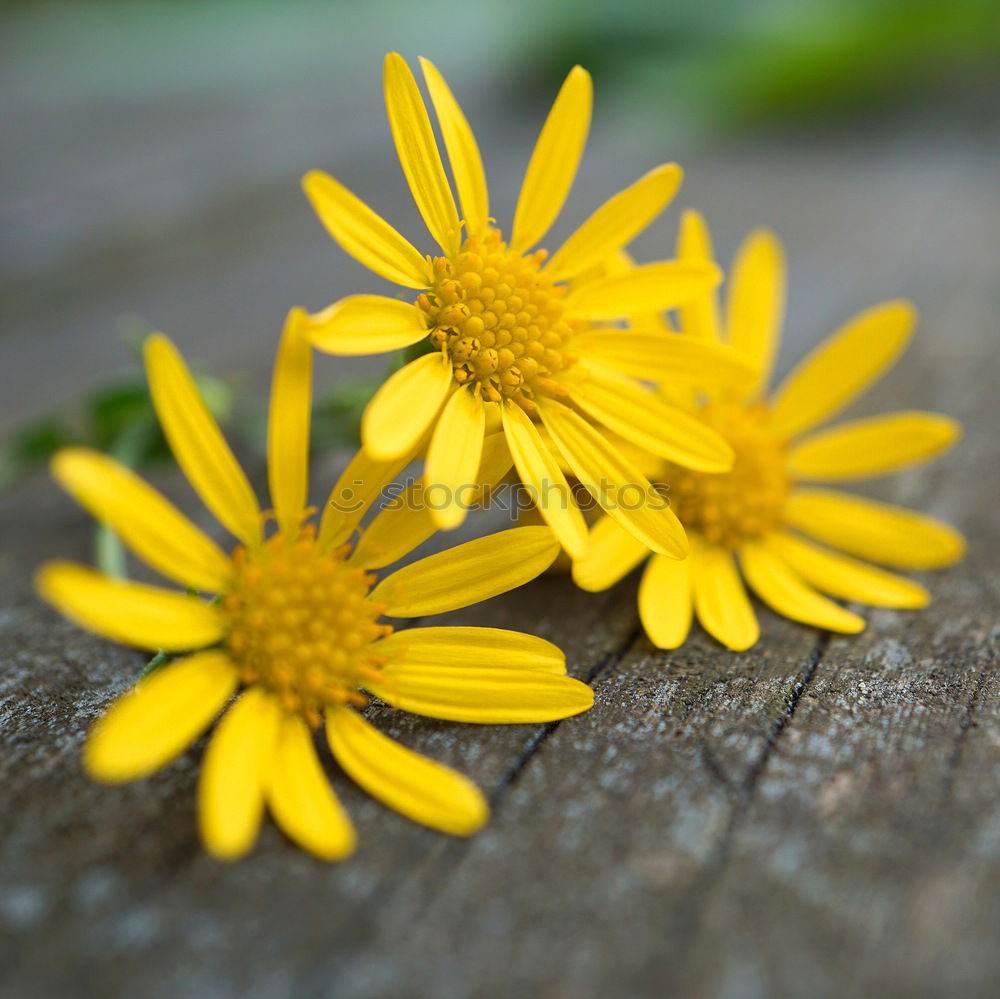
(966,722)
(608,661)
(742,798)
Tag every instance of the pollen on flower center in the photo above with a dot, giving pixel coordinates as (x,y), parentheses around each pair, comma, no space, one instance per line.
(500,319)
(746,502)
(300,623)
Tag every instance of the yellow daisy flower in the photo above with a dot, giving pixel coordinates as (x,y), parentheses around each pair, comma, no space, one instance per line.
(295,629)
(755,515)
(512,337)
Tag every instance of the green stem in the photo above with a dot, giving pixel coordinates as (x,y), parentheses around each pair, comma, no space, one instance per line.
(109,553)
(160,659)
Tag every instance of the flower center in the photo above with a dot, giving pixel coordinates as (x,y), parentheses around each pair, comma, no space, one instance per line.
(301,624)
(500,320)
(746,502)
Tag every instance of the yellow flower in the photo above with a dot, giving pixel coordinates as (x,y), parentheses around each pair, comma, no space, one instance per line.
(513,339)
(755,512)
(295,628)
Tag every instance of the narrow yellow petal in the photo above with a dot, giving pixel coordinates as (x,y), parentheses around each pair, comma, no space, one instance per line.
(619,262)
(616,223)
(407,521)
(365,324)
(418,152)
(405,406)
(777,584)
(539,470)
(364,235)
(612,554)
(649,288)
(755,306)
(666,601)
(698,316)
(554,161)
(149,524)
(617,485)
(865,448)
(354,492)
(486,695)
(159,718)
(471,648)
(288,425)
(422,790)
(468,573)
(664,357)
(647,420)
(453,457)
(300,797)
(877,531)
(720,601)
(842,367)
(845,577)
(197,442)
(133,613)
(463,152)
(234,773)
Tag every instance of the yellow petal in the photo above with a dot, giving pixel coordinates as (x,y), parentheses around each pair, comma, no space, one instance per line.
(617,222)
(487,695)
(698,316)
(649,288)
(463,152)
(405,406)
(300,797)
(403,523)
(877,531)
(288,425)
(618,263)
(363,234)
(133,613)
(471,648)
(197,442)
(159,718)
(842,367)
(406,520)
(776,583)
(554,161)
(845,577)
(422,790)
(354,492)
(539,470)
(755,306)
(645,419)
(664,357)
(617,485)
(418,152)
(453,457)
(613,553)
(234,772)
(365,324)
(720,600)
(468,573)
(149,524)
(864,448)
(666,601)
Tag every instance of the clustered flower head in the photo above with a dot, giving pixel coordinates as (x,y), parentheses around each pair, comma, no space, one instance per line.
(575,368)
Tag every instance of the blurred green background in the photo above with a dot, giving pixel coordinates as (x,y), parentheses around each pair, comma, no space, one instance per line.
(153,153)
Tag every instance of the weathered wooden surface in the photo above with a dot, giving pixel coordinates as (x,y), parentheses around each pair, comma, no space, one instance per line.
(816,817)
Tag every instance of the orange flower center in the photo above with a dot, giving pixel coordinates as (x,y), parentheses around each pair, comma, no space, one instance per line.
(500,320)
(746,502)
(300,623)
